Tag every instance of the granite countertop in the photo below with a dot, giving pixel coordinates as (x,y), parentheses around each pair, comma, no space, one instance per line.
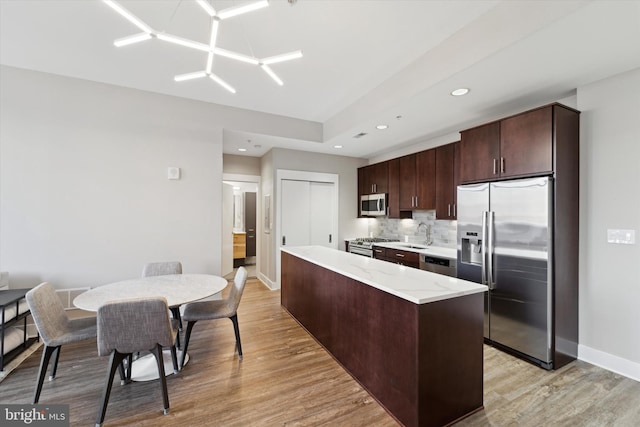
(438,251)
(408,283)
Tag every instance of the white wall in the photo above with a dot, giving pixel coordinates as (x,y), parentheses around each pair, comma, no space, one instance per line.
(267,271)
(610,198)
(241,165)
(84,195)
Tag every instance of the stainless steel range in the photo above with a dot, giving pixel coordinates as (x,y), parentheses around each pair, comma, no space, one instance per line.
(364,245)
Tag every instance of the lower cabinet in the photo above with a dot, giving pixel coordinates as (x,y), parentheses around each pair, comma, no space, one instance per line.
(397,256)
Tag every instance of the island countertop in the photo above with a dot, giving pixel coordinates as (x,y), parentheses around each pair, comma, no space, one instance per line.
(408,283)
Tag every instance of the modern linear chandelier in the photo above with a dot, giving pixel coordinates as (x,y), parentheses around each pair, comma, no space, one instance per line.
(212,49)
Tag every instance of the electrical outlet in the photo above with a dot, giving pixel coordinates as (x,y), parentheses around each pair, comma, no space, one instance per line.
(623,237)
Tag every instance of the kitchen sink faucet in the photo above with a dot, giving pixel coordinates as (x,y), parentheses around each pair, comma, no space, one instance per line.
(428,240)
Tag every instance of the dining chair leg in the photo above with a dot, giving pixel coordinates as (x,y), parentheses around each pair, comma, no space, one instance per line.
(186,342)
(42,371)
(174,359)
(130,365)
(54,365)
(157,352)
(176,315)
(236,329)
(122,372)
(114,362)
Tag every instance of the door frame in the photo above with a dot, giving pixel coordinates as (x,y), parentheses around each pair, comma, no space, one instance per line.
(257,180)
(294,175)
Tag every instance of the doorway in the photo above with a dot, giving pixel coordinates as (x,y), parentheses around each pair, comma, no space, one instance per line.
(242,246)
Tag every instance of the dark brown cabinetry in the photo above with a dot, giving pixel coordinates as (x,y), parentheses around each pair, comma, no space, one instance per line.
(447,180)
(375,178)
(393,197)
(422,362)
(397,256)
(250,222)
(521,145)
(417,181)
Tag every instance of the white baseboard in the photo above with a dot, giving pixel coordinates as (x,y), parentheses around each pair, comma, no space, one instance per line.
(609,362)
(265,280)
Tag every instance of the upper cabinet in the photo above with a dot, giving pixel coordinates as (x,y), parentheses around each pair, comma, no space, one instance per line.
(480,151)
(516,146)
(447,180)
(417,181)
(526,143)
(374,179)
(536,142)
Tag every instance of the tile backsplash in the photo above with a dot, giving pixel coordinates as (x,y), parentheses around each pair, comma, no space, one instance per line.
(443,232)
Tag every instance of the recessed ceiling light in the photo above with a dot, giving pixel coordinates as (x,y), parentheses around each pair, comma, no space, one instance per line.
(337,146)
(242,149)
(382,127)
(460,92)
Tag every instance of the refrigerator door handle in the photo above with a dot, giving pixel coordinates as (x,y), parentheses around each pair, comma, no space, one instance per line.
(490,245)
(484,247)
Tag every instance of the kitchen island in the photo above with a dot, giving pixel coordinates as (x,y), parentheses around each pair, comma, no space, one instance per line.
(412,338)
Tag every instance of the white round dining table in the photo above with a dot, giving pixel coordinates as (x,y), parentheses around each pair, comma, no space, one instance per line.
(178,289)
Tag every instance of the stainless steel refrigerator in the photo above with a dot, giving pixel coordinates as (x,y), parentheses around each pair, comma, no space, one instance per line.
(505,235)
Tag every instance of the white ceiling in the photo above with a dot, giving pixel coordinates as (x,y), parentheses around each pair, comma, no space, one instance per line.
(365,62)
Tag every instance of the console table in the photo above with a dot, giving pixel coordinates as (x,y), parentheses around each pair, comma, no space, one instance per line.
(13,310)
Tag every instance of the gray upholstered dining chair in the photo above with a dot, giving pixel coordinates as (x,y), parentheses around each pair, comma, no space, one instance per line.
(55,329)
(216,309)
(162,269)
(129,326)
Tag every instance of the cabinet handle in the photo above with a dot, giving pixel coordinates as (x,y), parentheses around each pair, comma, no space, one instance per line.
(378,250)
(416,201)
(495,166)
(400,255)
(449,214)
(501,164)
(454,209)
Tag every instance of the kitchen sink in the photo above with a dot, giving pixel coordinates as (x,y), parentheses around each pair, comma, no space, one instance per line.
(412,246)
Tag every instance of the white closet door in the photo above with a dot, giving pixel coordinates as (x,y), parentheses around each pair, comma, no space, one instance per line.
(295,213)
(321,214)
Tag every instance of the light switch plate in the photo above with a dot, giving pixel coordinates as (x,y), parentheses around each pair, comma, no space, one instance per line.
(173,173)
(623,237)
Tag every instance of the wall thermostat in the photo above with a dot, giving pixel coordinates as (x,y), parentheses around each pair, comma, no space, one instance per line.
(173,173)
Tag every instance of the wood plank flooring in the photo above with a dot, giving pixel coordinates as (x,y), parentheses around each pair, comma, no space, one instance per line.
(286,378)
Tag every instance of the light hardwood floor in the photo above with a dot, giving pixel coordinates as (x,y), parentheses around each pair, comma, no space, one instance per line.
(286,378)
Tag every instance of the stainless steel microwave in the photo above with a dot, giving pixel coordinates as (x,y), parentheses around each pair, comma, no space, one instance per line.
(373,205)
